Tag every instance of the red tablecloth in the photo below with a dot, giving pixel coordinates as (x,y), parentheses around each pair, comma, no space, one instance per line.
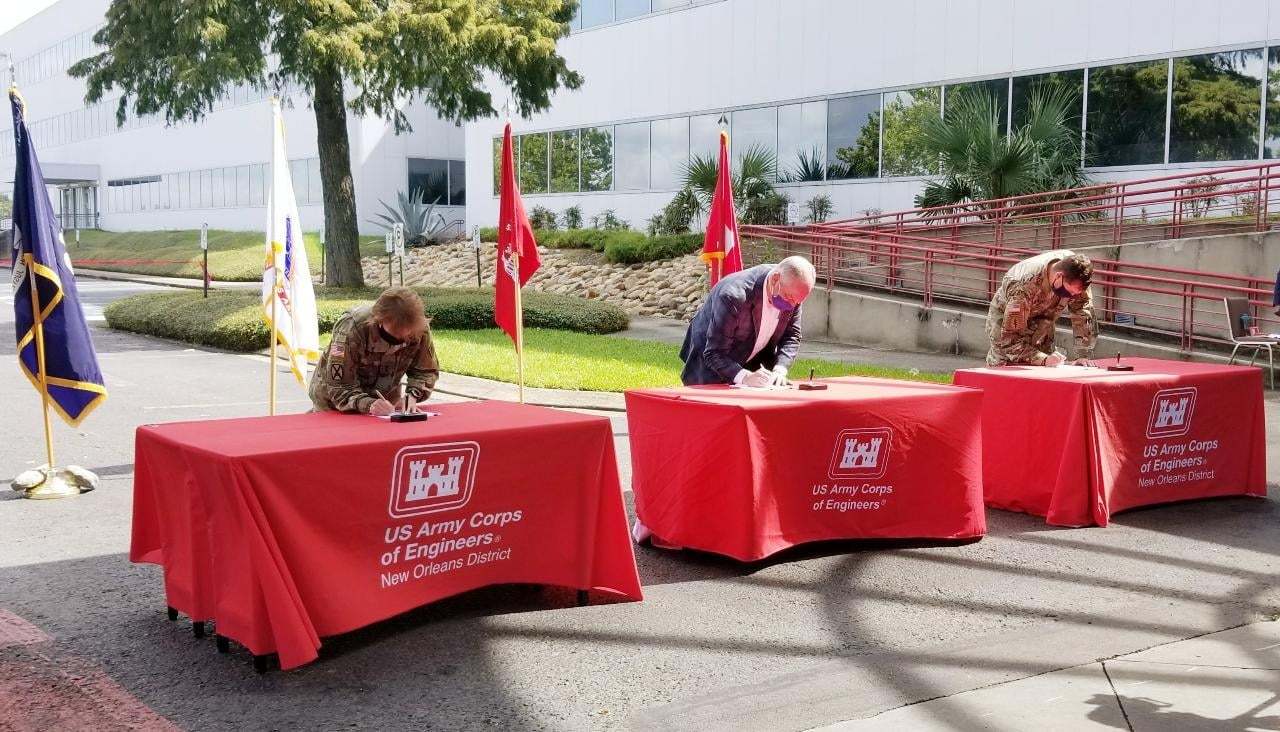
(286,529)
(747,474)
(1076,445)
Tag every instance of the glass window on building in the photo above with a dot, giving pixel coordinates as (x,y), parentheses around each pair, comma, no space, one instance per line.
(597,158)
(853,137)
(1126,115)
(564,161)
(219,188)
(631,151)
(1216,99)
(206,189)
(457,183)
(670,153)
(429,180)
(533,163)
(1271,142)
(704,136)
(996,89)
(497,165)
(1067,83)
(802,132)
(595,12)
(905,113)
(631,8)
(754,129)
(315,184)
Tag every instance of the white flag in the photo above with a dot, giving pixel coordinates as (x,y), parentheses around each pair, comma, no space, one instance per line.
(287,276)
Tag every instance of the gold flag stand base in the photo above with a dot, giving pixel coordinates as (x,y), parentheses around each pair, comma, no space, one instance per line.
(43,482)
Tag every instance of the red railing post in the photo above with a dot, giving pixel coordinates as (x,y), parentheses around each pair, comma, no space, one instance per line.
(1177,213)
(1260,220)
(1056,241)
(928,279)
(1117,213)
(1188,316)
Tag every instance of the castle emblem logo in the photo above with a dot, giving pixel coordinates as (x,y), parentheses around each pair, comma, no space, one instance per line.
(1171,412)
(861,453)
(430,478)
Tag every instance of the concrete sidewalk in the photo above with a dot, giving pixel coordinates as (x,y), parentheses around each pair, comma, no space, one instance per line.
(1220,681)
(179,282)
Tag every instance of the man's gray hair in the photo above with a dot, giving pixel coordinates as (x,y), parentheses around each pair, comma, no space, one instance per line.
(797,267)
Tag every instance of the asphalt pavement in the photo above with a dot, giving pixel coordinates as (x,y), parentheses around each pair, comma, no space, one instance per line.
(829,634)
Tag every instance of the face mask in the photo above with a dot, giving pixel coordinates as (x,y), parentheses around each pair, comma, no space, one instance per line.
(388,337)
(781,304)
(1063,293)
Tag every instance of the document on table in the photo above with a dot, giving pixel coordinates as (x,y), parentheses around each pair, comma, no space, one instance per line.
(388,417)
(771,387)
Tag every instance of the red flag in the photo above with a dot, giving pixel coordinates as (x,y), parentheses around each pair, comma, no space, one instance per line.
(721,241)
(515,240)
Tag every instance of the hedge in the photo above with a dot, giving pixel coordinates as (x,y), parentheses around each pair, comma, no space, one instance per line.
(231,320)
(620,246)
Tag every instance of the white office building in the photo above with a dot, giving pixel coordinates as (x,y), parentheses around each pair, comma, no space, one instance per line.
(836,88)
(145,175)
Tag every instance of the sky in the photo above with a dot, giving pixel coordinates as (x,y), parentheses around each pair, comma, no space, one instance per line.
(13,12)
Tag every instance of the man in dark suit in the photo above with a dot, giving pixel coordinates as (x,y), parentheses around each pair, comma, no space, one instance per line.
(748,330)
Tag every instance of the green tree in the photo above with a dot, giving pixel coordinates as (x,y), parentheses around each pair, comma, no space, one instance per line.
(906,115)
(980,162)
(177,57)
(1215,108)
(752,176)
(6,206)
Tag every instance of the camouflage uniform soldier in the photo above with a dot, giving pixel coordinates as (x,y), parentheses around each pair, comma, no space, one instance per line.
(373,349)
(1024,312)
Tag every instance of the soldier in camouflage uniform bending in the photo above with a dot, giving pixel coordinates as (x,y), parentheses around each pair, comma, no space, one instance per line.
(1023,314)
(373,349)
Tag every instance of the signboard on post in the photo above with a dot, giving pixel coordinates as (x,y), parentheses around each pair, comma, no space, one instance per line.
(391,249)
(204,237)
(475,237)
(793,212)
(397,238)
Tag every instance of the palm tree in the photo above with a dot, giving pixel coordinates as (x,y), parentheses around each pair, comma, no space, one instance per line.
(752,177)
(979,161)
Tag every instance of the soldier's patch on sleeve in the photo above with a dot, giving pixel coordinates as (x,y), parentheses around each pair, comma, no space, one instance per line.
(416,393)
(1015,318)
(338,349)
(335,371)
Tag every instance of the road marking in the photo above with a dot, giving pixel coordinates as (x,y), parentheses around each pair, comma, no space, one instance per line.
(15,631)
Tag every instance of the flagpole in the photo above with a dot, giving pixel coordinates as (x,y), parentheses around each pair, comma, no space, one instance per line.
(38,317)
(515,258)
(271,409)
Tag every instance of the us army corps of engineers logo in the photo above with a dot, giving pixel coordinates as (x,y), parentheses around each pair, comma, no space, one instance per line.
(1171,411)
(430,478)
(861,453)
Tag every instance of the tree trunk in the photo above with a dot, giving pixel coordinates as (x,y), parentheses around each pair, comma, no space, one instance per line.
(342,235)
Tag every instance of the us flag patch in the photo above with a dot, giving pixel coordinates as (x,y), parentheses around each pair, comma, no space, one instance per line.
(338,350)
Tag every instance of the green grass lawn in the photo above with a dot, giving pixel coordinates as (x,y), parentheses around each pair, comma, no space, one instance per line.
(561,359)
(233,255)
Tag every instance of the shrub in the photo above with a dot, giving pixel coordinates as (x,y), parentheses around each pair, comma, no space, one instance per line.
(649,249)
(542,218)
(677,216)
(819,208)
(767,208)
(609,221)
(233,320)
(488,233)
(572,217)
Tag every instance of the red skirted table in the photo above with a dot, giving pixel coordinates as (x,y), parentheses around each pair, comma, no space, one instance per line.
(284,530)
(749,473)
(1077,444)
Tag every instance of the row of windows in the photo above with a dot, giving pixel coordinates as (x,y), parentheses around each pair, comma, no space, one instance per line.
(1219,107)
(234,186)
(441,182)
(592,13)
(55,59)
(99,120)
